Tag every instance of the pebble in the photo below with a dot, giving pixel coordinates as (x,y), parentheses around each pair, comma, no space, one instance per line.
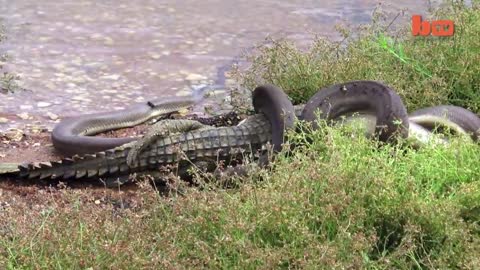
(80,98)
(50,86)
(195,77)
(3,120)
(96,36)
(217,92)
(112,77)
(36,129)
(42,104)
(79,80)
(23,116)
(155,56)
(59,66)
(109,91)
(54,52)
(183,93)
(26,107)
(52,116)
(108,41)
(14,134)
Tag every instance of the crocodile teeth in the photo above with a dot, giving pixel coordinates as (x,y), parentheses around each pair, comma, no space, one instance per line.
(56,163)
(77,158)
(101,154)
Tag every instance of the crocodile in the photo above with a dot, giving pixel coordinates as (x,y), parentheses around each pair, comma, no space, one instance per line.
(204,147)
(70,136)
(186,143)
(183,142)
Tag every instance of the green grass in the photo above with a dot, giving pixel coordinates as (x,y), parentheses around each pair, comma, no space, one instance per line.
(439,70)
(339,201)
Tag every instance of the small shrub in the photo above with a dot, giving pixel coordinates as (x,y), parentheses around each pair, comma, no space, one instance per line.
(425,71)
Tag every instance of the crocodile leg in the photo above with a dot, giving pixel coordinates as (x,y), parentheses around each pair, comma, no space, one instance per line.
(161,130)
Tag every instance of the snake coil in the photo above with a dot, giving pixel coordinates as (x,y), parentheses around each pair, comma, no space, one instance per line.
(278,109)
(361,96)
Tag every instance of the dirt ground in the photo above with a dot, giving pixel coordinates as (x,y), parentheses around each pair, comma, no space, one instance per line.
(36,147)
(20,147)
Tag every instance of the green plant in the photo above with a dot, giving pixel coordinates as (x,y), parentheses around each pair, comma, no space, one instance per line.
(425,71)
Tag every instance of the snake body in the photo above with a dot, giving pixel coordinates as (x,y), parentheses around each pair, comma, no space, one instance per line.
(71,135)
(458,119)
(366,96)
(278,109)
(381,106)
(383,112)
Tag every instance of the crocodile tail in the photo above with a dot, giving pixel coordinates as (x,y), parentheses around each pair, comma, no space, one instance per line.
(104,163)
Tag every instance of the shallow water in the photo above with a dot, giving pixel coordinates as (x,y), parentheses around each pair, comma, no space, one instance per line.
(89,56)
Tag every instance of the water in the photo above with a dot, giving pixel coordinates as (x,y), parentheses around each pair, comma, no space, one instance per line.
(89,56)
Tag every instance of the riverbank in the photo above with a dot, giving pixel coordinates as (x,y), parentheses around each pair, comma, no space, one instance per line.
(5,79)
(340,201)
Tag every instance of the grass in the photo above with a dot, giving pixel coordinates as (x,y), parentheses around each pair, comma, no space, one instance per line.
(337,201)
(8,80)
(439,70)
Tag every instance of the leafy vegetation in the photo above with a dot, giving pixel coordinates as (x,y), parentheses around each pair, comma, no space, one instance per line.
(337,201)
(440,70)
